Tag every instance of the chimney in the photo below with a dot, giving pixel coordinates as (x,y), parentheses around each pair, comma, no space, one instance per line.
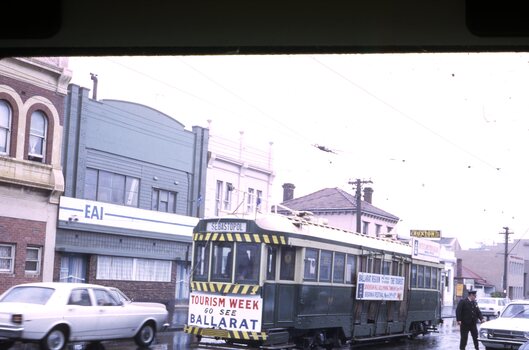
(368,195)
(459,268)
(288,191)
(94,91)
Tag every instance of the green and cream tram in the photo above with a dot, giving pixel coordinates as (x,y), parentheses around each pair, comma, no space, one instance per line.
(286,280)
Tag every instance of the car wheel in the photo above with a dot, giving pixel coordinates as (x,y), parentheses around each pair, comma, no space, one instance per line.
(5,345)
(54,340)
(145,335)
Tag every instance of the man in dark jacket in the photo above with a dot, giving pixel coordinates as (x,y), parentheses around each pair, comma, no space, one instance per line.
(467,315)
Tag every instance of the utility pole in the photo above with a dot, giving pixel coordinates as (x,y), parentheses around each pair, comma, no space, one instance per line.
(358,196)
(505,258)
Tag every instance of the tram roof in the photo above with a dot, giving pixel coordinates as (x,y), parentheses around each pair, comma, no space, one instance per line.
(302,227)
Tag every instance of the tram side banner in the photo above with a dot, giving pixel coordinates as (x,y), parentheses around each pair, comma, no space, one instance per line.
(230,312)
(373,286)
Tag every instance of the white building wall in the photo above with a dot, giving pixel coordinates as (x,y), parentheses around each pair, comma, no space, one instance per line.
(347,221)
(245,168)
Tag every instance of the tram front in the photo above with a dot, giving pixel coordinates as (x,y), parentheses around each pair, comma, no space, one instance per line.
(225,300)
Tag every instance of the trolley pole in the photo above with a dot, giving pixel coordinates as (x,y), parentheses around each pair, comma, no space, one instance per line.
(505,259)
(358,196)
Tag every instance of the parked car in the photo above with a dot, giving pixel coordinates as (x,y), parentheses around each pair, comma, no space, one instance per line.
(510,330)
(491,306)
(54,314)
(118,293)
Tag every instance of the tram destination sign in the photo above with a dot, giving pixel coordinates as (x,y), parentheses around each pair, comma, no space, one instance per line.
(425,233)
(226,226)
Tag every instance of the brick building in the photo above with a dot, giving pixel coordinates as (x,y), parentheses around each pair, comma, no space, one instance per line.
(32,93)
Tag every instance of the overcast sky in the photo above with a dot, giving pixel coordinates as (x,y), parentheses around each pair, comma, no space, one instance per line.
(443,137)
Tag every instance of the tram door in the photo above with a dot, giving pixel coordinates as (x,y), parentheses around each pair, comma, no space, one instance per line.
(280,298)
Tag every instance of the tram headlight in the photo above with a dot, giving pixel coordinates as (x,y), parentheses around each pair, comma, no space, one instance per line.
(484,333)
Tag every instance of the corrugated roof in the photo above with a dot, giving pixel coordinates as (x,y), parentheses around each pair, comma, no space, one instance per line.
(334,199)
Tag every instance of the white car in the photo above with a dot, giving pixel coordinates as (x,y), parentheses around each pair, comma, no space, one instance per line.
(510,330)
(491,306)
(54,314)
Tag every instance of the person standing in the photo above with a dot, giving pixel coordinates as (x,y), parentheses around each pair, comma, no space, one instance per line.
(467,316)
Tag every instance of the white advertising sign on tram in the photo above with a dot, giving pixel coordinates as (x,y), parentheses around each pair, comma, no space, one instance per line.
(373,286)
(230,312)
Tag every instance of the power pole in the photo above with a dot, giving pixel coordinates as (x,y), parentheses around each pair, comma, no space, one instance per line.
(358,196)
(505,258)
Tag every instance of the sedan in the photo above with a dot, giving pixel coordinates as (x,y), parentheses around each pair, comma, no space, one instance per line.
(54,314)
(510,330)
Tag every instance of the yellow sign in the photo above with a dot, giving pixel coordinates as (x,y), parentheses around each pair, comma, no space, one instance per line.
(459,290)
(425,233)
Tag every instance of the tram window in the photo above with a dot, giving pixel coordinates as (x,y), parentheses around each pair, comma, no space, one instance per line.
(200,270)
(420,276)
(395,269)
(271,254)
(377,265)
(288,263)
(311,264)
(435,278)
(247,257)
(222,262)
(350,269)
(325,266)
(386,267)
(427,276)
(414,276)
(339,268)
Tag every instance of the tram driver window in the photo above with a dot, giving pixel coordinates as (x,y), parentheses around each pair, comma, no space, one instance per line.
(200,270)
(247,258)
(288,263)
(222,262)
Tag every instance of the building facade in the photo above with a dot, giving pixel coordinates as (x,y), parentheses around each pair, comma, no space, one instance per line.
(488,261)
(239,177)
(134,182)
(32,93)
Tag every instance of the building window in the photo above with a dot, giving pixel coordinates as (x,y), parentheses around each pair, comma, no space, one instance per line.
(33,260)
(378,229)
(133,269)
(5,127)
(227,196)
(109,187)
(164,200)
(37,136)
(365,227)
(7,258)
(259,199)
(251,200)
(218,197)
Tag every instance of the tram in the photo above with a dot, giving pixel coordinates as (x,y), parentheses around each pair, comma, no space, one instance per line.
(278,281)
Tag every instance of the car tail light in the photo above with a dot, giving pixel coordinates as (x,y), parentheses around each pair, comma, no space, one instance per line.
(17,318)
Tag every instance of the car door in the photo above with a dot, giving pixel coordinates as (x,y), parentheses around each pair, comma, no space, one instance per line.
(112,318)
(81,314)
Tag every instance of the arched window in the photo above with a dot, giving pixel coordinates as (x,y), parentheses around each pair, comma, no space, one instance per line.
(37,136)
(5,127)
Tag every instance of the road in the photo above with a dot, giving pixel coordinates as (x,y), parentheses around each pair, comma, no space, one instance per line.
(446,338)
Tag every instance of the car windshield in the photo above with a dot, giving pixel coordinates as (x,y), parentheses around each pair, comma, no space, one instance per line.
(516,311)
(31,295)
(486,301)
(119,295)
